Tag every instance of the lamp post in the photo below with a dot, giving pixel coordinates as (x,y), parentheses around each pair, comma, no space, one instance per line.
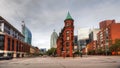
(81,42)
(80,50)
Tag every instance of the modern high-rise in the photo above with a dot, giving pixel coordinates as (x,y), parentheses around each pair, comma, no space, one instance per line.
(53,40)
(65,44)
(27,33)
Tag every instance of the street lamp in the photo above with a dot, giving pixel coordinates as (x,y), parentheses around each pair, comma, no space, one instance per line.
(81,50)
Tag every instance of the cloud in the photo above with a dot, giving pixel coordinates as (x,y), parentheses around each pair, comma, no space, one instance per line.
(42,16)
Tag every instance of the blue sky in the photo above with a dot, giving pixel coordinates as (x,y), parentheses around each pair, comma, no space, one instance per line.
(43,16)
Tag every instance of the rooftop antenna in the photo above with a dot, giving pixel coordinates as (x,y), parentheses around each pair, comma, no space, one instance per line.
(23,23)
(23,27)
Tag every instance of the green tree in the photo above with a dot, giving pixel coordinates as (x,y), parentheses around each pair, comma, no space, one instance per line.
(100,51)
(77,52)
(51,51)
(116,46)
(91,52)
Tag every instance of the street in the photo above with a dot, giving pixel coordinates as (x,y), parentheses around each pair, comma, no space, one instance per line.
(60,62)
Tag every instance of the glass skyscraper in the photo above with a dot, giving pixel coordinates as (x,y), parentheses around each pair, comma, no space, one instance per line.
(53,40)
(27,33)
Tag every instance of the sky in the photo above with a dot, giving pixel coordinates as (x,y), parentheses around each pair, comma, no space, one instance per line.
(43,16)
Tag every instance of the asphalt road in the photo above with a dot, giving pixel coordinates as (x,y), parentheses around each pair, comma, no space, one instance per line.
(59,62)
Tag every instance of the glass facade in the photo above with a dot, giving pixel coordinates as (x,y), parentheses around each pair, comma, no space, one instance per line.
(28,35)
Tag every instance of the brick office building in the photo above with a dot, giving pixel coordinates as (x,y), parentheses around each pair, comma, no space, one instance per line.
(65,44)
(109,32)
(12,41)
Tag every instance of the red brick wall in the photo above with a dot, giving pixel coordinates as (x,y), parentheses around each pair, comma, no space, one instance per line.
(105,23)
(115,31)
(26,47)
(59,46)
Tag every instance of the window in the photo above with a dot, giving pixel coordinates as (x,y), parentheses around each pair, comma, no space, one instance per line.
(67,49)
(12,44)
(68,38)
(2,42)
(0,27)
(8,43)
(67,24)
(67,32)
(17,46)
(67,44)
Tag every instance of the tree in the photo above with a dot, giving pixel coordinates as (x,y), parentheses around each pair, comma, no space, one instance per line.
(116,46)
(51,51)
(91,52)
(77,52)
(100,51)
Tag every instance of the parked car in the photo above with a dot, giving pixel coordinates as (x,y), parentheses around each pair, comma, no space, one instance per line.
(5,57)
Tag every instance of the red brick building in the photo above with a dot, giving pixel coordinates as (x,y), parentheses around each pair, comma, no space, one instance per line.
(12,41)
(59,45)
(91,46)
(65,44)
(109,32)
